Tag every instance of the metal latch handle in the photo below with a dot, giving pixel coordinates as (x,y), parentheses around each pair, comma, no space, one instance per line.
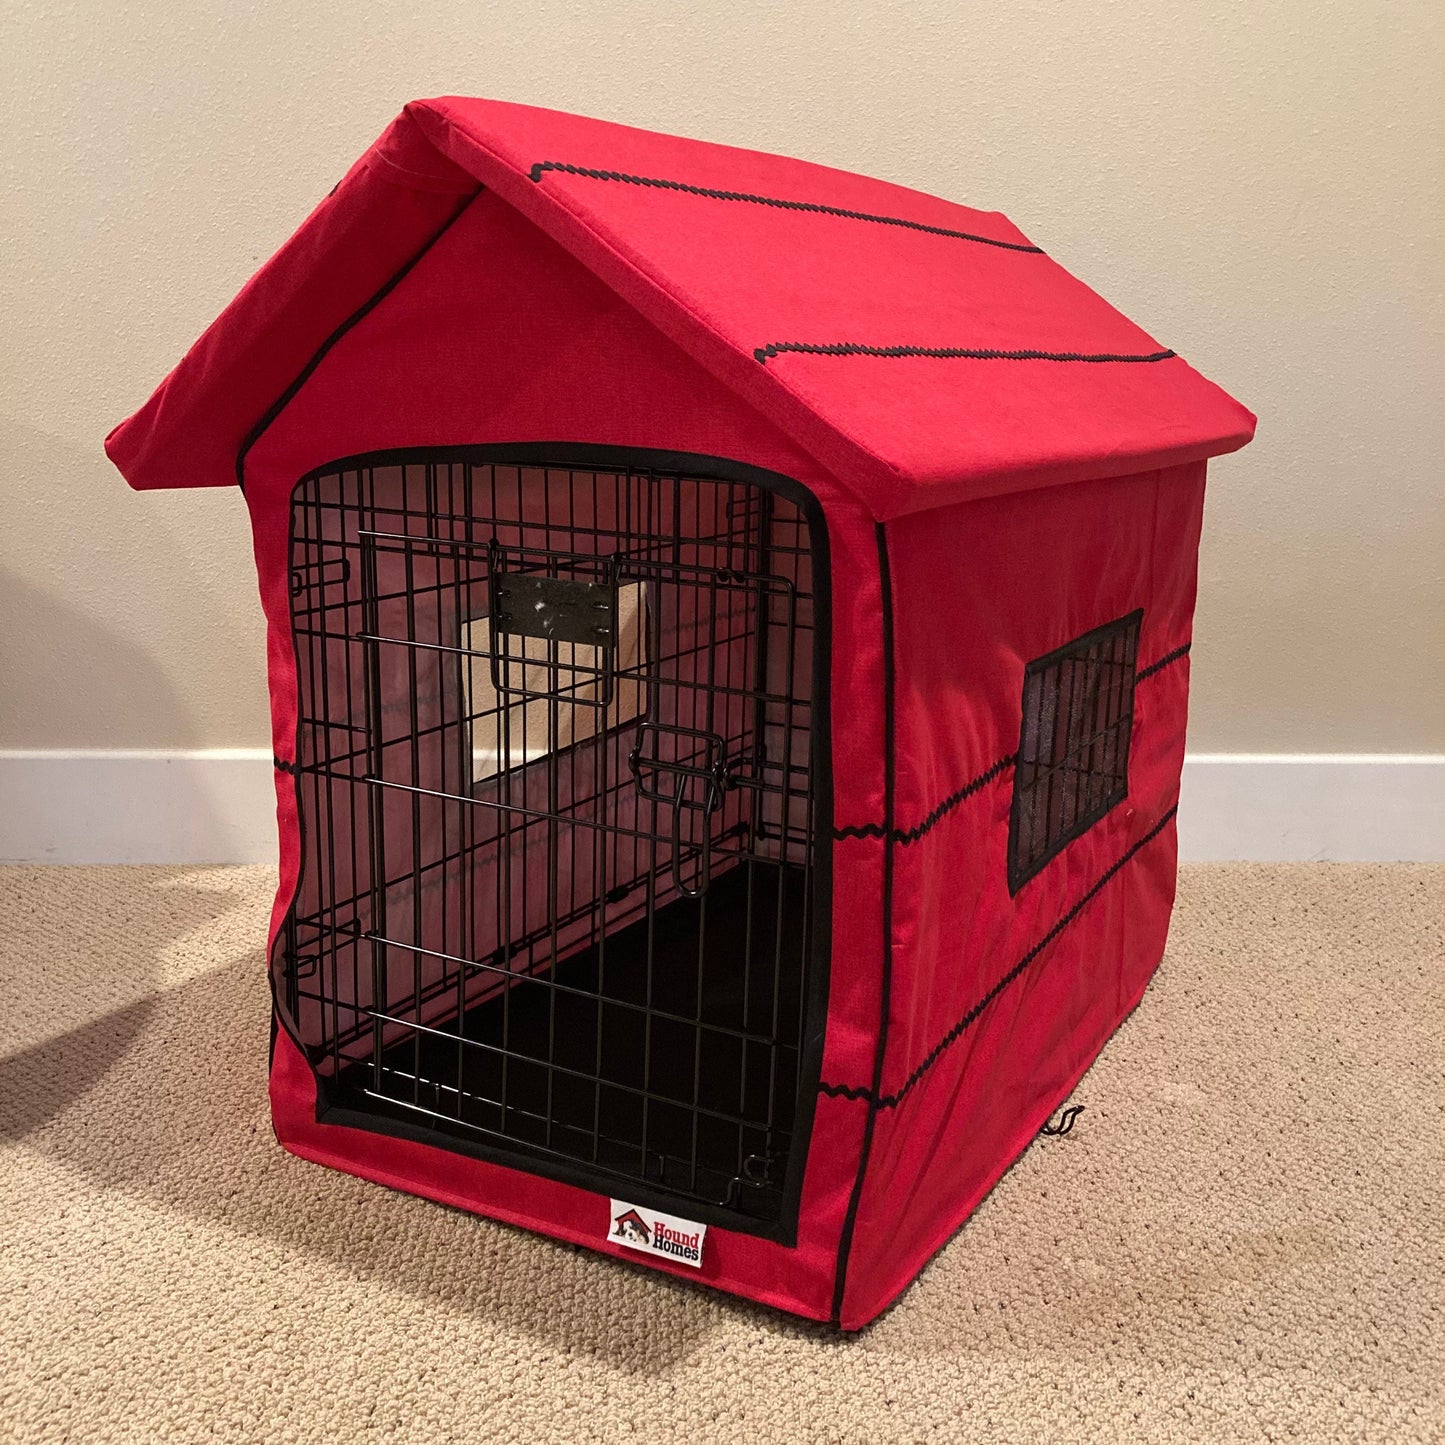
(649,766)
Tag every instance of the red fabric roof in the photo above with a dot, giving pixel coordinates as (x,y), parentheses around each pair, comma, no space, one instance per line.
(924,351)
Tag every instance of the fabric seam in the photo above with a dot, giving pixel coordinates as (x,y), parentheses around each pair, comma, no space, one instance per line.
(340,332)
(885,986)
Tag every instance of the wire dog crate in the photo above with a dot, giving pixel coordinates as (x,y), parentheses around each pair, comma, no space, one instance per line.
(729,630)
(555,773)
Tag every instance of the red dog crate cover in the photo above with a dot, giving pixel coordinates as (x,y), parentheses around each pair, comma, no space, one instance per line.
(1008,479)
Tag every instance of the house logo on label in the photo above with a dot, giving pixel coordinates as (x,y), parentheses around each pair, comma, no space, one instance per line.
(631,1228)
(650,1232)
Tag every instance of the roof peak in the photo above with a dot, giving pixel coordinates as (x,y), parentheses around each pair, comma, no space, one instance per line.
(923,351)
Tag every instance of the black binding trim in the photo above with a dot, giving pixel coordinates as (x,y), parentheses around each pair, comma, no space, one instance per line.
(812,206)
(1162,663)
(319,355)
(885,991)
(892,1101)
(947,353)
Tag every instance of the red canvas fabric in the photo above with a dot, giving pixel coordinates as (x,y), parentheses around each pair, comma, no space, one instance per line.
(731,253)
(997,1004)
(386,209)
(443,296)
(578,363)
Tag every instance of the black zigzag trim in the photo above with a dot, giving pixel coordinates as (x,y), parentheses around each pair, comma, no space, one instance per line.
(811,206)
(282,766)
(1162,663)
(912,835)
(948,353)
(859,830)
(892,1101)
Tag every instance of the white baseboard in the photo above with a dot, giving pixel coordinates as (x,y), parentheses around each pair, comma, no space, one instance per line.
(216,805)
(1313,807)
(205,805)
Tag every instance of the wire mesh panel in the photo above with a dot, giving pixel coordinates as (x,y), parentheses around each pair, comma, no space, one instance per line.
(1073,758)
(555,770)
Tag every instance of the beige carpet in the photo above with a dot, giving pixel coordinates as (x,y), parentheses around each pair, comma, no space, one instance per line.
(1242,1239)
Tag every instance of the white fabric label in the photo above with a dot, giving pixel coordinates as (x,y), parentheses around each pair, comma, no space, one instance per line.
(650,1232)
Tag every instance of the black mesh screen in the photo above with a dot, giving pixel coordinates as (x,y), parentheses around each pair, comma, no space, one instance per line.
(1073,758)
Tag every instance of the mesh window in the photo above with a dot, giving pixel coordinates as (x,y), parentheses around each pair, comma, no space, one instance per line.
(1073,758)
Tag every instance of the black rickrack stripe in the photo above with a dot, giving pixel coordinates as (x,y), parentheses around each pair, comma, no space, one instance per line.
(859,830)
(948,353)
(1162,663)
(914,834)
(891,1101)
(956,1032)
(844,1091)
(812,206)
(282,766)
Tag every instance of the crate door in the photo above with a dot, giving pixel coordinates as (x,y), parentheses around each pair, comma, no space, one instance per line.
(585,815)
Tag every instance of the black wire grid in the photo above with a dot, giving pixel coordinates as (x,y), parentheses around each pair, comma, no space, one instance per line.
(554,780)
(1073,759)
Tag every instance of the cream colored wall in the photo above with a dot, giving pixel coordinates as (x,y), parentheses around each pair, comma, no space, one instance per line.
(1258,184)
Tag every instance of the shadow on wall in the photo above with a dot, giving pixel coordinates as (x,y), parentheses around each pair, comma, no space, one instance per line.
(67,676)
(128,625)
(110,594)
(64,673)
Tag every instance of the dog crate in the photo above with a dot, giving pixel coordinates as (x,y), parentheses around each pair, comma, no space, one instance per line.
(728,629)
(555,777)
